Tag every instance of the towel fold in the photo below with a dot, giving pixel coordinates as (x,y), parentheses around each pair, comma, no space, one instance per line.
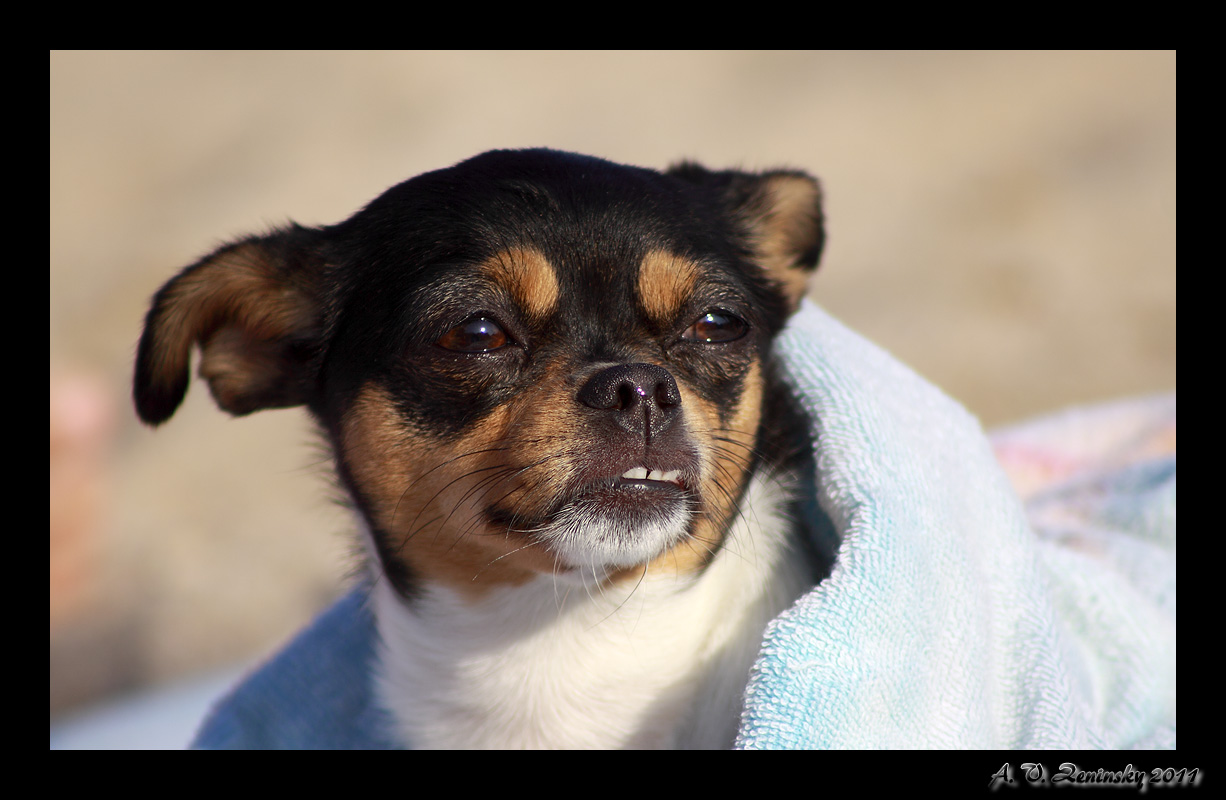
(1012,592)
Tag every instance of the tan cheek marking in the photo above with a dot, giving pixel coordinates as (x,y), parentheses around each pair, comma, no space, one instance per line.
(528,276)
(665,283)
(724,465)
(548,440)
(428,495)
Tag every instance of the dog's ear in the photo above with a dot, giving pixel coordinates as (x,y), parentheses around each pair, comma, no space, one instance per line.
(255,308)
(780,212)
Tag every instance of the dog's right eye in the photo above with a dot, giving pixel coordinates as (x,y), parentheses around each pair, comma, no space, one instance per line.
(478,335)
(716,327)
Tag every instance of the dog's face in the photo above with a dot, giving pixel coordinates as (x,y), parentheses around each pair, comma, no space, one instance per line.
(532,362)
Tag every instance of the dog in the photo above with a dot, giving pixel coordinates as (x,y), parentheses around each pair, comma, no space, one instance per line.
(548,387)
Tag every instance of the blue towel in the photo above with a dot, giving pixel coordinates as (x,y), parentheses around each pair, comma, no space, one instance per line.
(1012,592)
(958,613)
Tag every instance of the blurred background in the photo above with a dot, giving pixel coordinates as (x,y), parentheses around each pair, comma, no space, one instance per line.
(1002,222)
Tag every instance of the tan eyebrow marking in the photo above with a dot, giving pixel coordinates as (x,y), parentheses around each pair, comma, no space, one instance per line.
(665,283)
(528,276)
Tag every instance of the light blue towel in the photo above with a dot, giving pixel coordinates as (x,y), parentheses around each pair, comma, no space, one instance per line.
(971,605)
(950,620)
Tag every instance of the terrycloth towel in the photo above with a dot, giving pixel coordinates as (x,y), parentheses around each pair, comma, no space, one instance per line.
(970,605)
(959,614)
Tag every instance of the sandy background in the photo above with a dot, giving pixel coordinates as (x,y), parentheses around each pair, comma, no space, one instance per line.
(1005,223)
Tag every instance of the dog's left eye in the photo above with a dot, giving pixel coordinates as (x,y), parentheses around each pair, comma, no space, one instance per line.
(479,335)
(715,327)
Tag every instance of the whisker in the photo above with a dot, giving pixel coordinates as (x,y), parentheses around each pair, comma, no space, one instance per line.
(409,489)
(622,603)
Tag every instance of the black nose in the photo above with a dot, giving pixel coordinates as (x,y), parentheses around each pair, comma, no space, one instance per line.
(644,398)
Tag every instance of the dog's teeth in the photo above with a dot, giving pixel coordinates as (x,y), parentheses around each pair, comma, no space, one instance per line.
(642,473)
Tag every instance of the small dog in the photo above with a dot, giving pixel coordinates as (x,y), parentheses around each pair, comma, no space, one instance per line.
(547,383)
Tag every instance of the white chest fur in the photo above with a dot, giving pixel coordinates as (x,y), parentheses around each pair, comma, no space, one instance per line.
(552,664)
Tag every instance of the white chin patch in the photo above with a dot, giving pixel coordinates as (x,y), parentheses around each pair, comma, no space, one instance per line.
(599,542)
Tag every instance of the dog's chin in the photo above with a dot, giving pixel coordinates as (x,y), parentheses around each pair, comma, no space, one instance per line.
(617,525)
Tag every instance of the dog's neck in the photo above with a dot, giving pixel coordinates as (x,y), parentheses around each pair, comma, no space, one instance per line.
(657,663)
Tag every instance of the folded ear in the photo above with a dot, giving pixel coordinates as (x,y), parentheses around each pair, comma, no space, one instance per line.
(255,308)
(780,212)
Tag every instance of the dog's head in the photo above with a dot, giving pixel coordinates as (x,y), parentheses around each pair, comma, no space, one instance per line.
(532,362)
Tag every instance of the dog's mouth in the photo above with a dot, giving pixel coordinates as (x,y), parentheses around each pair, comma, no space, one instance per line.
(636,497)
(616,521)
(636,493)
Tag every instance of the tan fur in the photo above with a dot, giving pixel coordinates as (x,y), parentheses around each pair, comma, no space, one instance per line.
(430,494)
(665,282)
(241,311)
(529,277)
(784,219)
